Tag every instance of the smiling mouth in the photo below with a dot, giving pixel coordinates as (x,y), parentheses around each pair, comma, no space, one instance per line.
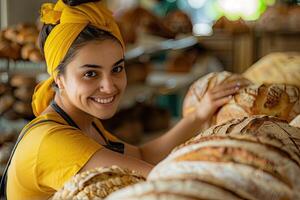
(104,100)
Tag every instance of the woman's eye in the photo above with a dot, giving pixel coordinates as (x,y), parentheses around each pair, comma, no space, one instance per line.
(90,74)
(117,69)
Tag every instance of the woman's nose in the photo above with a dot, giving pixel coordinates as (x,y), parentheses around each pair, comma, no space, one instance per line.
(107,85)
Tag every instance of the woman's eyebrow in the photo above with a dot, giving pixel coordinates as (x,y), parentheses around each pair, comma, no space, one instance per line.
(99,66)
(119,61)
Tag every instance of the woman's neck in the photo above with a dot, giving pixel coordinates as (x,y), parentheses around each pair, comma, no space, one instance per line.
(81,119)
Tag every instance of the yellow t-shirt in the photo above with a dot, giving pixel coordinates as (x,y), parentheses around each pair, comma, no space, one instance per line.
(48,155)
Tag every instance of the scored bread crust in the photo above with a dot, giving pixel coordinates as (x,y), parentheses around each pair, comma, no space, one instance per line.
(257,155)
(246,181)
(184,188)
(277,100)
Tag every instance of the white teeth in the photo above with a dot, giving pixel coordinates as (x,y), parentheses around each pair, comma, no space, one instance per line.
(104,101)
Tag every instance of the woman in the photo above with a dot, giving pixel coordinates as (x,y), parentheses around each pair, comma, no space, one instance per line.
(84,53)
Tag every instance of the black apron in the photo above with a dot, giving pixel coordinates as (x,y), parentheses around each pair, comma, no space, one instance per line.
(114,146)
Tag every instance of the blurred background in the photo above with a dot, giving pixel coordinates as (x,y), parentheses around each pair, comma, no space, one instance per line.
(170,44)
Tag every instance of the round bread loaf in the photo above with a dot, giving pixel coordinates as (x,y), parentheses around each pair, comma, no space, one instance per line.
(178,22)
(198,89)
(254,158)
(97,183)
(26,50)
(277,100)
(278,67)
(36,56)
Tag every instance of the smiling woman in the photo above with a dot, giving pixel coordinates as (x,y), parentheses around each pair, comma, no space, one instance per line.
(84,53)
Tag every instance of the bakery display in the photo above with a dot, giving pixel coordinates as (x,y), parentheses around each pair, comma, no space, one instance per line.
(18,41)
(252,158)
(15,100)
(97,183)
(279,67)
(279,100)
(138,19)
(129,124)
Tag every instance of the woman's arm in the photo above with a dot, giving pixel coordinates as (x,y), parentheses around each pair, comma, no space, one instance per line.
(154,151)
(105,157)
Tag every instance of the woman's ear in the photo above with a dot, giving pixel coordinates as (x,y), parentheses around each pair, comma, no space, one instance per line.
(59,82)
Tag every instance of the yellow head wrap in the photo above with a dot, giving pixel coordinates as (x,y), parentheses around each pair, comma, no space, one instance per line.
(69,21)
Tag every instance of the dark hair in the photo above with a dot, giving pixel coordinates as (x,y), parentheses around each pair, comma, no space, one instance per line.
(88,34)
(77,2)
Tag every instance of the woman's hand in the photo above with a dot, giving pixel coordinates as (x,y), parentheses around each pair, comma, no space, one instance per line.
(216,97)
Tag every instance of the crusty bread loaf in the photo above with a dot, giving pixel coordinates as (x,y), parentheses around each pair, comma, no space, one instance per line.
(254,158)
(198,89)
(97,183)
(178,22)
(176,189)
(276,68)
(278,100)
(296,122)
(26,50)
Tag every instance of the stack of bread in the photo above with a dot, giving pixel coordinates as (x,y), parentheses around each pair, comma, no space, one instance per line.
(20,43)
(253,158)
(97,183)
(15,101)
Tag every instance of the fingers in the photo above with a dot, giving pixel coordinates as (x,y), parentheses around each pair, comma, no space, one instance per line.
(222,101)
(229,85)
(225,93)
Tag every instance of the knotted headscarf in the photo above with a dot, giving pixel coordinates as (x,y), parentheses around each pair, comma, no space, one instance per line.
(69,21)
